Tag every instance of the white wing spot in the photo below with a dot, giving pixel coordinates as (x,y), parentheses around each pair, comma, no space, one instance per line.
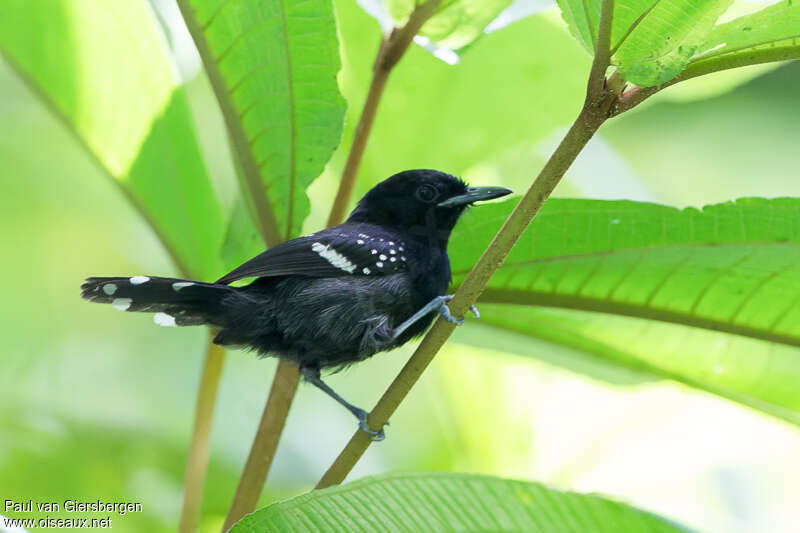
(122,303)
(163,319)
(360,241)
(109,288)
(392,251)
(374,251)
(391,243)
(401,249)
(392,259)
(333,257)
(178,285)
(138,280)
(379,264)
(365,270)
(402,257)
(382,257)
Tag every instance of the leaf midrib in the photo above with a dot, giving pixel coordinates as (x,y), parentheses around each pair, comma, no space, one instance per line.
(644,249)
(292,136)
(584,303)
(728,51)
(266,220)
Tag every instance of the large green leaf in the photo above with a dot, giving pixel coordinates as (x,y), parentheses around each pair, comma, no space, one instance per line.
(760,374)
(732,267)
(651,40)
(431,502)
(123,104)
(776,25)
(278,62)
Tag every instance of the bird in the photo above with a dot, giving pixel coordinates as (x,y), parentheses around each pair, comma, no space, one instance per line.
(332,298)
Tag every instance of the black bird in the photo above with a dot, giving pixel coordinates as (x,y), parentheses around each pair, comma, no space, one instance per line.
(331,298)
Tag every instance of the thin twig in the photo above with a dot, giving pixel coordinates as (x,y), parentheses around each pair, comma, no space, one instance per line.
(265,443)
(389,54)
(597,106)
(197,458)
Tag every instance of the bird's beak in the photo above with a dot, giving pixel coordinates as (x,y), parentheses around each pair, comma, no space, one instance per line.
(475,194)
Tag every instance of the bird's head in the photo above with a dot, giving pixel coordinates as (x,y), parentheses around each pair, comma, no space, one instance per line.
(421,201)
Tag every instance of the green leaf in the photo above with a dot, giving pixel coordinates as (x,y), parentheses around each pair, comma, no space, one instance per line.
(776,25)
(731,267)
(756,373)
(123,105)
(651,40)
(277,62)
(431,501)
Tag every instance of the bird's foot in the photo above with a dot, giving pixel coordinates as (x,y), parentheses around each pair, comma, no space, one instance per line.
(445,311)
(375,436)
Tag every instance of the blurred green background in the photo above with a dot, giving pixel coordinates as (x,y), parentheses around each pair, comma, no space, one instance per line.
(99,405)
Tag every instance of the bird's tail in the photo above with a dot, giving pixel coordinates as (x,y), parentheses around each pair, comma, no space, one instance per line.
(176,302)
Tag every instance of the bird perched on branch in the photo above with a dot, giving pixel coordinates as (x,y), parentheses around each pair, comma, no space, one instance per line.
(331,298)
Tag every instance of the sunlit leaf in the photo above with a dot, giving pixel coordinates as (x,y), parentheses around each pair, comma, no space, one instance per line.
(433,502)
(278,61)
(776,25)
(756,373)
(651,40)
(123,105)
(455,25)
(732,267)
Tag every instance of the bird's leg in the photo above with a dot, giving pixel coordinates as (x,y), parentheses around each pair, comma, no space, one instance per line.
(437,304)
(312,376)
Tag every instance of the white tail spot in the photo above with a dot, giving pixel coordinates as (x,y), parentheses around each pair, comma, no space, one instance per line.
(178,285)
(109,288)
(163,319)
(138,280)
(122,303)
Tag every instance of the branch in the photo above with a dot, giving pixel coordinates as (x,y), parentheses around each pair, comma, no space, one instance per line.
(390,52)
(701,67)
(265,443)
(265,219)
(197,458)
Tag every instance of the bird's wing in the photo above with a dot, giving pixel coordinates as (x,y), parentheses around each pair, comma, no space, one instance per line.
(333,252)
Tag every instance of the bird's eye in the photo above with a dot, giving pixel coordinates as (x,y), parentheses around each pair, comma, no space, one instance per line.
(427,193)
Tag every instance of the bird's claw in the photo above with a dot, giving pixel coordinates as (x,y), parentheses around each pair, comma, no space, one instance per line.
(375,436)
(445,311)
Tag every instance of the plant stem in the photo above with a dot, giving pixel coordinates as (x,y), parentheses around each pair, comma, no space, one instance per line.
(265,443)
(389,54)
(197,458)
(596,109)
